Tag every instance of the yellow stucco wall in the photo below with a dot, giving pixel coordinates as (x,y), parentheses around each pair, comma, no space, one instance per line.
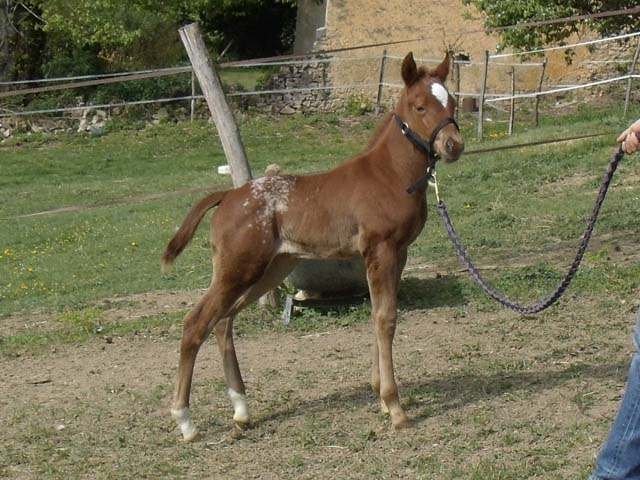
(439,25)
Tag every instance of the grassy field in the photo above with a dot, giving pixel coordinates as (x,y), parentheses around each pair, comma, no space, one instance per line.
(494,395)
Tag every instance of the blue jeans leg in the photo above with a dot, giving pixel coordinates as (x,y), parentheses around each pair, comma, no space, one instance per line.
(620,455)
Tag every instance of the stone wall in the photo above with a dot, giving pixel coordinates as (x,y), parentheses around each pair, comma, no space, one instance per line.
(311,75)
(95,121)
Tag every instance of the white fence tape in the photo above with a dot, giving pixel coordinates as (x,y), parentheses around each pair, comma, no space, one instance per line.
(492,97)
(178,99)
(100,106)
(564,47)
(187,68)
(309,61)
(561,89)
(468,63)
(104,75)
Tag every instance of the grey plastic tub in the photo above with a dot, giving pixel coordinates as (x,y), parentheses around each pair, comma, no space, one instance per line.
(335,277)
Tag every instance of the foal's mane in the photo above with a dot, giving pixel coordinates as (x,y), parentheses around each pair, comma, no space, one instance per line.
(379,129)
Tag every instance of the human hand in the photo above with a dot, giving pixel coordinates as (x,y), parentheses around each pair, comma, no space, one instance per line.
(630,138)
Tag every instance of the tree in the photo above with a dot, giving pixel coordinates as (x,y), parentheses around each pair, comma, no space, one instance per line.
(146,31)
(6,36)
(93,36)
(19,40)
(501,13)
(257,28)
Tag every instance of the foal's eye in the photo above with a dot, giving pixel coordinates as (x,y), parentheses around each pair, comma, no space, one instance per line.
(420,109)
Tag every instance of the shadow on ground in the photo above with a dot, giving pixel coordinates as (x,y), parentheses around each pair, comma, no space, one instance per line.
(425,293)
(453,391)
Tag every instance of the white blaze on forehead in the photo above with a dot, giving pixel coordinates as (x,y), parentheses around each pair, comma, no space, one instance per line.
(438,91)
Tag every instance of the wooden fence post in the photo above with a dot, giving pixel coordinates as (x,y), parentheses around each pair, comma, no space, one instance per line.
(537,101)
(222,115)
(381,80)
(512,108)
(632,70)
(218,106)
(483,90)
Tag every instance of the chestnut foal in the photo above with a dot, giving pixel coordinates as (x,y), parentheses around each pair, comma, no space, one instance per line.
(261,229)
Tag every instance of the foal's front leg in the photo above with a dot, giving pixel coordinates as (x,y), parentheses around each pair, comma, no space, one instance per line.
(375,357)
(383,268)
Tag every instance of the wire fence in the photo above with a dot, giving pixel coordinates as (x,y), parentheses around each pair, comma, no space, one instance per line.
(331,83)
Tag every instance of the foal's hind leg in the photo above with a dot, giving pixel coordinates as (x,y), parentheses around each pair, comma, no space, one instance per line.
(228,294)
(232,375)
(197,326)
(273,276)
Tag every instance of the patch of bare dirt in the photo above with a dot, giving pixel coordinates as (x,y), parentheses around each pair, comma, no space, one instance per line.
(482,388)
(148,304)
(129,307)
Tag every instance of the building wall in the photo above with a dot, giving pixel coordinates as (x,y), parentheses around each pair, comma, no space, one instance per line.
(438,24)
(310,18)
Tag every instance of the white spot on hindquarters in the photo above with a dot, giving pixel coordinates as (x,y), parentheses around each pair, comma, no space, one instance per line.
(183,419)
(273,192)
(240,408)
(441,93)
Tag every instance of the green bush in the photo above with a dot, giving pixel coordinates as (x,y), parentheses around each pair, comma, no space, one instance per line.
(358,104)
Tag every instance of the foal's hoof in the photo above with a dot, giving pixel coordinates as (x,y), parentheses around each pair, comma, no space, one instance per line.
(242,424)
(191,437)
(401,423)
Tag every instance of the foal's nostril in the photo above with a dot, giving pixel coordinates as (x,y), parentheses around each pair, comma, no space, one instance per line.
(449,146)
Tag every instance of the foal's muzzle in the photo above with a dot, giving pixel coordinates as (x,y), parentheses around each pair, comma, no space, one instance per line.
(447,141)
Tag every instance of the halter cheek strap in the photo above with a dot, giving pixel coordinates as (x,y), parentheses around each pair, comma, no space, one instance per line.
(426,147)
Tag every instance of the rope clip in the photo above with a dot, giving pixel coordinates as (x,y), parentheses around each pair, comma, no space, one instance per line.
(433,182)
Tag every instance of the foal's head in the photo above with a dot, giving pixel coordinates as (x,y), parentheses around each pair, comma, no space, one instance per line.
(426,103)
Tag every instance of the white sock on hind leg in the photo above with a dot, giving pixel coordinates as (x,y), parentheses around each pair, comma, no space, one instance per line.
(183,419)
(240,407)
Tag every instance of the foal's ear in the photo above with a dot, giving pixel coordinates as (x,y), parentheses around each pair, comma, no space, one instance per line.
(442,71)
(409,70)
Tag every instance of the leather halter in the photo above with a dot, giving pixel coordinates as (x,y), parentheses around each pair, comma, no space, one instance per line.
(426,147)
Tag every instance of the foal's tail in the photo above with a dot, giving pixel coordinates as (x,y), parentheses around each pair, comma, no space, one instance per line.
(189,225)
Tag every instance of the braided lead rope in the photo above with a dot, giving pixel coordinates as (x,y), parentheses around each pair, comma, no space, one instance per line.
(538,307)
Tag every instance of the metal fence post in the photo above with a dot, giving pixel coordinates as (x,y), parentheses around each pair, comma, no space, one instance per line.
(632,70)
(512,109)
(483,90)
(537,101)
(380,81)
(193,95)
